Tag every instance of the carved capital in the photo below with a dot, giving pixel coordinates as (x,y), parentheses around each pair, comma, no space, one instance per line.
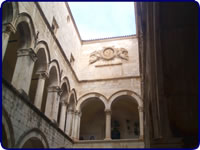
(9,28)
(27,52)
(108,111)
(63,102)
(54,89)
(43,74)
(70,111)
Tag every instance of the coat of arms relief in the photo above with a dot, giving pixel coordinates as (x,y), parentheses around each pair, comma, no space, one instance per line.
(108,53)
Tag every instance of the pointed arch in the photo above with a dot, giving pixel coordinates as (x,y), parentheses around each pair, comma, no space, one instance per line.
(85,97)
(125,92)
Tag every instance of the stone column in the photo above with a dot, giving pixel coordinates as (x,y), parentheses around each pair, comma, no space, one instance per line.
(56,105)
(108,125)
(23,69)
(140,109)
(7,30)
(68,127)
(40,89)
(62,115)
(73,124)
(78,125)
(52,102)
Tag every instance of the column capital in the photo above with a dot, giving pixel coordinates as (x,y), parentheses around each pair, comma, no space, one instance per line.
(42,74)
(63,102)
(70,111)
(107,111)
(27,52)
(77,112)
(140,108)
(54,89)
(9,28)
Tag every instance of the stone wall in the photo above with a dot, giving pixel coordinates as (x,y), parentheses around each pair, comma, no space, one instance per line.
(25,119)
(49,39)
(82,76)
(118,57)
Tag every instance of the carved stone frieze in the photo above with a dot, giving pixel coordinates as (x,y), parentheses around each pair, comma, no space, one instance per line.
(108,53)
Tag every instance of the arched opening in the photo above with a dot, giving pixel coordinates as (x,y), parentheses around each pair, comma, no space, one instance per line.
(92,126)
(63,98)
(33,142)
(125,118)
(4,137)
(70,115)
(20,39)
(7,12)
(50,82)
(39,68)
(71,105)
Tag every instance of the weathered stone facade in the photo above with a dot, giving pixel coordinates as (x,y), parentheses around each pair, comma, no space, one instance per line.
(52,88)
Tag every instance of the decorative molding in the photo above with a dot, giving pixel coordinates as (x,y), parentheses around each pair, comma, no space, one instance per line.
(54,89)
(9,28)
(105,65)
(108,53)
(42,74)
(27,52)
(63,102)
(108,111)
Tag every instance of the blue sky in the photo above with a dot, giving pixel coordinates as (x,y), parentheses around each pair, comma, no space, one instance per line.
(103,19)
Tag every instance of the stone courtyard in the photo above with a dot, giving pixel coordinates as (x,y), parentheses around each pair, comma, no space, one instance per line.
(60,91)
(133,91)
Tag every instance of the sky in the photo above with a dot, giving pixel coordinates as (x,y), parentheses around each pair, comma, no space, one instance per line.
(103,19)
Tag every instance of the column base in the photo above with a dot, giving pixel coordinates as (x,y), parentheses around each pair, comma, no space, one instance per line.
(75,139)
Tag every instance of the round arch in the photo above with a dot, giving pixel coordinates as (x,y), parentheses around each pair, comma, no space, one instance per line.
(24,17)
(90,95)
(125,92)
(33,133)
(8,129)
(40,68)
(43,45)
(54,63)
(72,93)
(10,10)
(66,81)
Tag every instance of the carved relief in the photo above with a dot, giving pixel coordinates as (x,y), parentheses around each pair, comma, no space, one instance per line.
(108,53)
(122,53)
